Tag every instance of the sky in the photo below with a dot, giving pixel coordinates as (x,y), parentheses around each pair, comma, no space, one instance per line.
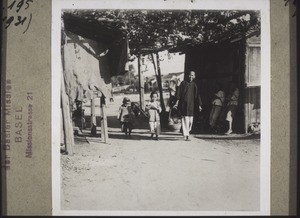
(173,65)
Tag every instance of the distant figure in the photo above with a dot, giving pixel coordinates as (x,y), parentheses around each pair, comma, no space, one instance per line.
(172,91)
(147,85)
(135,109)
(126,117)
(232,107)
(188,99)
(111,99)
(150,86)
(178,82)
(217,105)
(153,109)
(78,115)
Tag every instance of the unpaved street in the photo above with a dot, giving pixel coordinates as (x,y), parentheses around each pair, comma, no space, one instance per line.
(170,174)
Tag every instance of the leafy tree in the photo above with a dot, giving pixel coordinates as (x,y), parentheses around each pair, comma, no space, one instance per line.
(152,31)
(156,30)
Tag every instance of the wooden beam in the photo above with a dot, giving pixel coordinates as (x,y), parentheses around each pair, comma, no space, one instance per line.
(104,127)
(159,83)
(82,117)
(62,131)
(67,121)
(141,84)
(93,117)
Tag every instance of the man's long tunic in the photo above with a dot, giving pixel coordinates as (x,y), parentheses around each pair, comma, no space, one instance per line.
(189,98)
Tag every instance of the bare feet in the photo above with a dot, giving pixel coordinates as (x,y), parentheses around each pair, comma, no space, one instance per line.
(187,138)
(228,132)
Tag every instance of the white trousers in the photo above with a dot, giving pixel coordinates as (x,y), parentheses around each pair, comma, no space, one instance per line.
(186,122)
(154,127)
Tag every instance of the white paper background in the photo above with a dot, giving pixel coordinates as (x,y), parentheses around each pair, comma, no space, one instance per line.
(262,5)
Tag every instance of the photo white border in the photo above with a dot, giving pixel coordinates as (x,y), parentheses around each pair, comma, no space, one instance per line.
(265,149)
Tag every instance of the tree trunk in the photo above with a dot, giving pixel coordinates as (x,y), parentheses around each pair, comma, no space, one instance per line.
(159,83)
(67,120)
(155,69)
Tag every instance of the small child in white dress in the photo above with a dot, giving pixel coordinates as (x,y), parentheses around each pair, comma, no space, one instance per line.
(153,109)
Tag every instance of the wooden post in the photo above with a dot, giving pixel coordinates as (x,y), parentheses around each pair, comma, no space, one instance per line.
(93,117)
(141,84)
(82,117)
(244,67)
(67,121)
(62,131)
(104,128)
(159,83)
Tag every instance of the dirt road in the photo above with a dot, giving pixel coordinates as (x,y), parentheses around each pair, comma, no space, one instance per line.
(170,174)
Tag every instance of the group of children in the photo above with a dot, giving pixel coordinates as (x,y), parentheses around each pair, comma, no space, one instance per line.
(126,116)
(220,105)
(223,109)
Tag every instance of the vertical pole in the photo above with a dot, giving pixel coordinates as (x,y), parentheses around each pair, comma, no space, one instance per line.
(245,91)
(62,131)
(102,121)
(65,107)
(104,128)
(93,117)
(159,83)
(105,120)
(67,121)
(93,114)
(141,82)
(82,117)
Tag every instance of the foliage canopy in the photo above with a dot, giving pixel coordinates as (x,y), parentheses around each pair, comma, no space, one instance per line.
(156,30)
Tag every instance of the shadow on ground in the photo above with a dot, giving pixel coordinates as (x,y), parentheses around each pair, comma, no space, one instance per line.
(229,137)
(139,123)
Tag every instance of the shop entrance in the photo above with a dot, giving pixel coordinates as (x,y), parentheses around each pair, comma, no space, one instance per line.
(227,66)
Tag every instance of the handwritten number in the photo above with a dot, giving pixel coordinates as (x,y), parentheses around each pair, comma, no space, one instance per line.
(19,5)
(9,21)
(12,5)
(20,21)
(27,3)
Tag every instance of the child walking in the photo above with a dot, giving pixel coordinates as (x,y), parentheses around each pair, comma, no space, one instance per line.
(125,116)
(153,108)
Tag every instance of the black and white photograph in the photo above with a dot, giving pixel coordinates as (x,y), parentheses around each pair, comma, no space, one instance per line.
(161,107)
